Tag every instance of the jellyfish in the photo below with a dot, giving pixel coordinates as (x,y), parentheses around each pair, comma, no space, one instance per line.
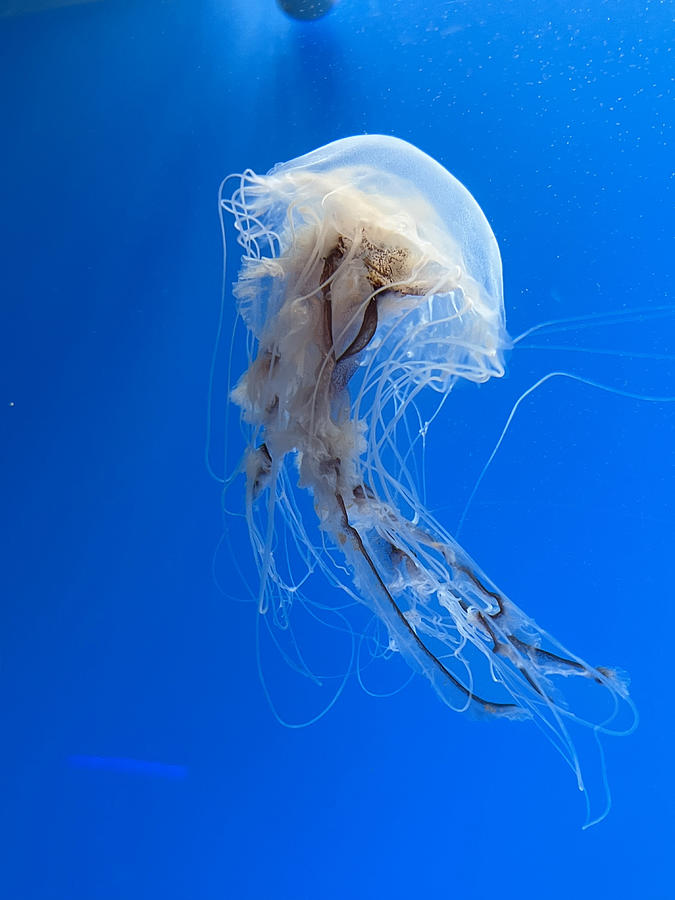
(371,281)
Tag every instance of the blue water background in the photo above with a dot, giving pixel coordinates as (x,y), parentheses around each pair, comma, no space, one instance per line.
(117,646)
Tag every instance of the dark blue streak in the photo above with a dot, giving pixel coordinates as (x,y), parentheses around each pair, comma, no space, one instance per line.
(123,764)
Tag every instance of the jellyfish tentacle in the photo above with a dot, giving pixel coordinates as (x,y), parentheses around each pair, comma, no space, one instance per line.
(496,596)
(523,646)
(496,625)
(486,705)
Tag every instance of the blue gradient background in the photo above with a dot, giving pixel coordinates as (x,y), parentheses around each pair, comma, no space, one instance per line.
(120,119)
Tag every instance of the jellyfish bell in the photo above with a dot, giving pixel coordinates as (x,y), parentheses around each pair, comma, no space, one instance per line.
(369,273)
(394,227)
